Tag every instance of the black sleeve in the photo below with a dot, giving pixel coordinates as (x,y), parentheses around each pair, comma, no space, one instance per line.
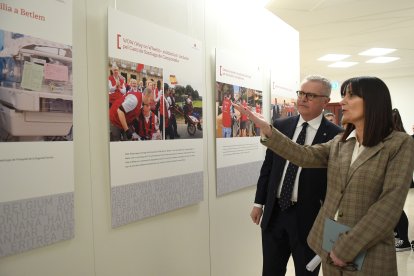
(262,182)
(265,171)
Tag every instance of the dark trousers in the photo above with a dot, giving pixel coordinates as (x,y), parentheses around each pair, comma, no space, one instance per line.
(402,227)
(173,123)
(167,128)
(280,240)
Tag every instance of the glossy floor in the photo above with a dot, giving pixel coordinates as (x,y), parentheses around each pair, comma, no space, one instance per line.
(405,260)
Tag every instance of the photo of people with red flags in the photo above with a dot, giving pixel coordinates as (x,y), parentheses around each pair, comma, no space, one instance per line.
(229,122)
(175,110)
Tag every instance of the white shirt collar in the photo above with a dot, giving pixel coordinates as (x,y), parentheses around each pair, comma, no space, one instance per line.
(357,148)
(314,123)
(352,135)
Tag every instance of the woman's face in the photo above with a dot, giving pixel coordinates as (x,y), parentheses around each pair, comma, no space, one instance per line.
(352,108)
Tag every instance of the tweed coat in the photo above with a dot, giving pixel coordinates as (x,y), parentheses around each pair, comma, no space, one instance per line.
(312,182)
(368,196)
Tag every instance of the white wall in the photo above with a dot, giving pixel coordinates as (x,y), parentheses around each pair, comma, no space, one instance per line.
(402,96)
(402,93)
(215,237)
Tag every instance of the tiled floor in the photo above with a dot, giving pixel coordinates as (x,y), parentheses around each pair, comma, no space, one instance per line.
(405,260)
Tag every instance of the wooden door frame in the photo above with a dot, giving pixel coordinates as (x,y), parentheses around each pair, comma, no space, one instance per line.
(336,109)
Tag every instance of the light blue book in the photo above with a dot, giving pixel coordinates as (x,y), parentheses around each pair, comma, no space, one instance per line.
(331,232)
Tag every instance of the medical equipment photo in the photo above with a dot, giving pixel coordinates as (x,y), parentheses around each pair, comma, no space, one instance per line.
(36,89)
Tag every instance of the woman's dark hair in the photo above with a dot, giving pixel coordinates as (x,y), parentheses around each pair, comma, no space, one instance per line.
(396,119)
(378,122)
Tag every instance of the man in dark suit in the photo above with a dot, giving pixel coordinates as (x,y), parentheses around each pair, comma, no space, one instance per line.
(289,213)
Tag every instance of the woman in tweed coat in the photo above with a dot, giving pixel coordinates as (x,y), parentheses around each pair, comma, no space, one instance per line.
(370,168)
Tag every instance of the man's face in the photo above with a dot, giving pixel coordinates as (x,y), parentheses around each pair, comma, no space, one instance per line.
(310,109)
(133,84)
(146,108)
(116,72)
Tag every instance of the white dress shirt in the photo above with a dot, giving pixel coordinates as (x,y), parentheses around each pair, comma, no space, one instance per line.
(358,147)
(310,135)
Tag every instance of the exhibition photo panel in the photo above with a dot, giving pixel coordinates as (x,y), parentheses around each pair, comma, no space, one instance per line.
(155,108)
(238,151)
(36,125)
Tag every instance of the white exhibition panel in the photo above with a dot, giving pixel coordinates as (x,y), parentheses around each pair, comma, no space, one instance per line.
(233,68)
(51,20)
(35,169)
(36,191)
(151,160)
(151,44)
(284,76)
(168,171)
(238,159)
(238,151)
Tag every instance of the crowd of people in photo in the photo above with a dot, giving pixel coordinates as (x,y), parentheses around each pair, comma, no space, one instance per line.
(283,110)
(234,124)
(142,110)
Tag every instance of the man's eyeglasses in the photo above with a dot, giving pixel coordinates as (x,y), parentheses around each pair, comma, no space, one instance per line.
(309,96)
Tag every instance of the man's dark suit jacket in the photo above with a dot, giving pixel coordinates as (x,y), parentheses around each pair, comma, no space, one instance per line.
(312,182)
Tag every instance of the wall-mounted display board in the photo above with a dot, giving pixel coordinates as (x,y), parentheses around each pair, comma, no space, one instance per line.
(238,150)
(284,77)
(283,95)
(156,139)
(36,147)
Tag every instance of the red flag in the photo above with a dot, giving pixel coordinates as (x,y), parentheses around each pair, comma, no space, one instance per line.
(140,67)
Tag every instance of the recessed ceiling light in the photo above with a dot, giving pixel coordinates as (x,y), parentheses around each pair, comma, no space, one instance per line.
(382,59)
(342,64)
(377,52)
(333,57)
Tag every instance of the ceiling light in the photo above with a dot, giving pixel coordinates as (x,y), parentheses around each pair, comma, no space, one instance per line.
(382,59)
(342,64)
(377,52)
(333,57)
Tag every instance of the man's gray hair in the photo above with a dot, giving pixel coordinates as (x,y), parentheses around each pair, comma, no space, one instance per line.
(322,80)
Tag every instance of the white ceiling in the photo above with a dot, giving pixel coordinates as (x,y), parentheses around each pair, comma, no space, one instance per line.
(350,27)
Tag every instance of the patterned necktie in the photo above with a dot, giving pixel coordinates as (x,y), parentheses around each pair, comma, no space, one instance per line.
(290,175)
